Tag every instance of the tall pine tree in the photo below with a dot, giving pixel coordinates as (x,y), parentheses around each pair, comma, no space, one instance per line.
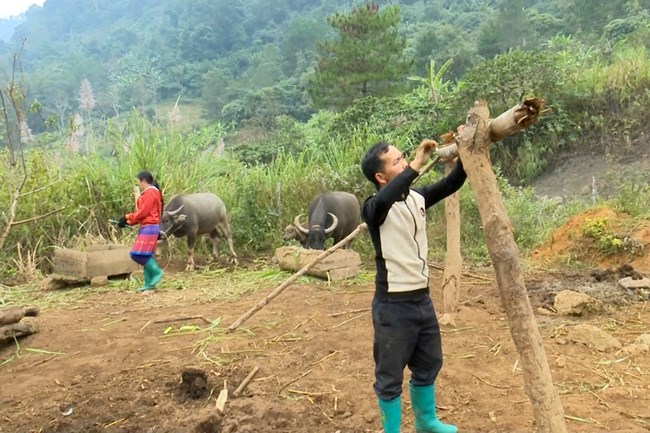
(365,59)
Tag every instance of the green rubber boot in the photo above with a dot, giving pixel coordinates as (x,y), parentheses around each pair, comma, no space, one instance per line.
(391,414)
(147,279)
(152,275)
(424,407)
(156,272)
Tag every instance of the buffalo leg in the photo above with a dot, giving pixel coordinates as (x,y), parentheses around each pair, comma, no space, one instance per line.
(225,229)
(191,240)
(214,237)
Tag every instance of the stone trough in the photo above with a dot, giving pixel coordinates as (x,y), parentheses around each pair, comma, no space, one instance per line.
(340,265)
(95,265)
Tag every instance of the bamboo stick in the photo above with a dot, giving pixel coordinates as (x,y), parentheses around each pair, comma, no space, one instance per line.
(268,298)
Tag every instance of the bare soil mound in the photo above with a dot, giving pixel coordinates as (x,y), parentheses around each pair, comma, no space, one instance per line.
(599,237)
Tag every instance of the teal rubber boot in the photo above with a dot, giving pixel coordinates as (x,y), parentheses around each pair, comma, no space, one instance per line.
(156,272)
(147,279)
(391,414)
(152,275)
(424,407)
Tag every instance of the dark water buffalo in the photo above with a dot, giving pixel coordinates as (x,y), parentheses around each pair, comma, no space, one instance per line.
(331,215)
(197,214)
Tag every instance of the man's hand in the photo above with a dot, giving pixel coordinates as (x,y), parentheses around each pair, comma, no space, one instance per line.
(423,154)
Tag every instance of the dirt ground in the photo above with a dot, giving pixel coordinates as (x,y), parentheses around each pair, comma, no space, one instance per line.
(102,362)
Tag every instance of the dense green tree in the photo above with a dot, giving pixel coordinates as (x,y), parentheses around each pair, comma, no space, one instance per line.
(509,27)
(301,38)
(366,58)
(441,43)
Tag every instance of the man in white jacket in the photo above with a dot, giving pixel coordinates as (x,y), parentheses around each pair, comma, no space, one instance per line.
(406,331)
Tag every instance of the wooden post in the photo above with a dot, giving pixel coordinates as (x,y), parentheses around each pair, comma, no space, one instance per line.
(474,143)
(453,258)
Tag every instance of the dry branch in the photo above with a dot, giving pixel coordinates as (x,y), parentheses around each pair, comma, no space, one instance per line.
(294,381)
(343,313)
(349,320)
(246,381)
(181,318)
(36,218)
(464,274)
(474,143)
(37,190)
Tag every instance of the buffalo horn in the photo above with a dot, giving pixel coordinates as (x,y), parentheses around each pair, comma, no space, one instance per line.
(299,226)
(335,222)
(174,212)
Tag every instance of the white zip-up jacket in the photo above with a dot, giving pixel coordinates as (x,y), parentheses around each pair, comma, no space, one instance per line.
(396,218)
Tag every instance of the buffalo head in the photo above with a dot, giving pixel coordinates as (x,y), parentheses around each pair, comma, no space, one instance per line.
(292,232)
(172,220)
(316,234)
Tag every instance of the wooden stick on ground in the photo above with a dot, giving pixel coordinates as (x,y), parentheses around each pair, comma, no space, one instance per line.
(261,304)
(343,313)
(246,381)
(268,298)
(181,318)
(465,274)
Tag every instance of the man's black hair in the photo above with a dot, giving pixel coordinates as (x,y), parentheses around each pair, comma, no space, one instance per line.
(372,163)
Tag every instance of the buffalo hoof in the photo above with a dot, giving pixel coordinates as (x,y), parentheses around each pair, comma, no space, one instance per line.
(234,261)
(190,267)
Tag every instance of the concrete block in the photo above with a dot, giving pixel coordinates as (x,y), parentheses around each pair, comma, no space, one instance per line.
(107,262)
(96,261)
(70,262)
(340,265)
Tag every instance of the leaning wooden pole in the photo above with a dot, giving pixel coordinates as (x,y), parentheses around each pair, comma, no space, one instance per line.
(268,298)
(473,144)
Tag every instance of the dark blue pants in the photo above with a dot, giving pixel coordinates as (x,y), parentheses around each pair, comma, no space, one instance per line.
(406,334)
(140,259)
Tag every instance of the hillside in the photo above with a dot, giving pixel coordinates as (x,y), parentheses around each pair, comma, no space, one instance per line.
(602,171)
(231,54)
(7,28)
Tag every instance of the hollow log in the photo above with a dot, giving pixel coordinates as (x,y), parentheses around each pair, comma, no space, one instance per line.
(15,314)
(474,142)
(516,119)
(16,330)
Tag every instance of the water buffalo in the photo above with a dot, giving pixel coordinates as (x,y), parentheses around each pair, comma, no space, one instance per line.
(197,214)
(292,232)
(331,214)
